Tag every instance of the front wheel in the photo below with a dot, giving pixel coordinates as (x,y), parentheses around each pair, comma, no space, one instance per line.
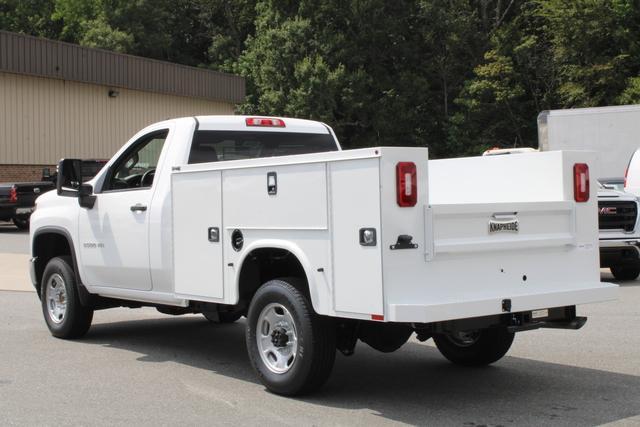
(475,348)
(291,348)
(626,272)
(65,316)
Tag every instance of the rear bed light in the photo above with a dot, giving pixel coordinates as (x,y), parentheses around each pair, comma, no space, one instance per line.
(406,184)
(266,122)
(13,195)
(581,182)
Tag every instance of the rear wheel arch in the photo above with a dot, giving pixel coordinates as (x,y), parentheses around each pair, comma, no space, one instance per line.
(262,263)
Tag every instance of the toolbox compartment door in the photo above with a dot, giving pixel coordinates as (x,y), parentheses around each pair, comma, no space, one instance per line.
(197,208)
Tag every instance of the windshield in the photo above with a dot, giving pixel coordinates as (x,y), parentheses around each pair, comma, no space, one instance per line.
(214,146)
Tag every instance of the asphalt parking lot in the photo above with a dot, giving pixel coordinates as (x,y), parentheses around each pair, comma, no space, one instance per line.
(139,367)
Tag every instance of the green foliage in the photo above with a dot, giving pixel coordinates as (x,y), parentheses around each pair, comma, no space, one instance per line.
(458,75)
(550,54)
(29,16)
(382,73)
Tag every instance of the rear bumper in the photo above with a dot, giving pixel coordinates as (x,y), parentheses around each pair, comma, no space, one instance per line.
(13,211)
(463,309)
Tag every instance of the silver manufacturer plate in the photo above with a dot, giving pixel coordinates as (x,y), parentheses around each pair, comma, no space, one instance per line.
(498,226)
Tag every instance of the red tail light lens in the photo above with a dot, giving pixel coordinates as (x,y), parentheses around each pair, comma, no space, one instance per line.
(13,195)
(263,121)
(581,182)
(406,184)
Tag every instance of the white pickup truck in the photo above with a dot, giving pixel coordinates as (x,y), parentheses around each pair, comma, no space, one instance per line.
(267,218)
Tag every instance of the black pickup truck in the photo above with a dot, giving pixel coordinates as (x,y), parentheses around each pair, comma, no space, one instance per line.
(18,200)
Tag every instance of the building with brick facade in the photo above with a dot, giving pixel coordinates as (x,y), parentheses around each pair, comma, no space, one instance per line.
(63,100)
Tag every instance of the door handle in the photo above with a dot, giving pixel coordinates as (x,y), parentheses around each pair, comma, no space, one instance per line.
(138,208)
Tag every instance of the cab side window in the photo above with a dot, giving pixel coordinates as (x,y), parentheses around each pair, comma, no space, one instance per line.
(136,167)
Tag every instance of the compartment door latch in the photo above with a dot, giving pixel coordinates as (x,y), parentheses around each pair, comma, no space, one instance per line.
(272,183)
(404,242)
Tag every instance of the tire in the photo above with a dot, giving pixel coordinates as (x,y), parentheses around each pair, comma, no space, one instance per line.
(223,317)
(70,319)
(626,272)
(306,363)
(482,347)
(21,223)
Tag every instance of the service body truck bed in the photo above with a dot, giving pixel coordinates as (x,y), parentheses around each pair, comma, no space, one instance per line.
(321,249)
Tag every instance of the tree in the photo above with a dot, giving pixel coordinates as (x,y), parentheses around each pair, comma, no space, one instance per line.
(30,17)
(383,73)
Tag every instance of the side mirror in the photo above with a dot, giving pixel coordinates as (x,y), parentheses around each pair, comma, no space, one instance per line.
(69,183)
(69,177)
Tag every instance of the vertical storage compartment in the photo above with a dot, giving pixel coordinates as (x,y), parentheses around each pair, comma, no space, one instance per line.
(197,212)
(355,204)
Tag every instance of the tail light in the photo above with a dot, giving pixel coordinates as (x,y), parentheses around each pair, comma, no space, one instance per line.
(581,182)
(406,184)
(13,195)
(263,121)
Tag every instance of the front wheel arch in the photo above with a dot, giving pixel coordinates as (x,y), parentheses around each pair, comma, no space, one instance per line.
(49,243)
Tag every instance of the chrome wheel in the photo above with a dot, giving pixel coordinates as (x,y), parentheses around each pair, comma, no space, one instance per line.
(277,338)
(56,298)
(464,338)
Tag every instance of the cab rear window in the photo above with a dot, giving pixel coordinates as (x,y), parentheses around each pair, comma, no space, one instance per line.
(214,146)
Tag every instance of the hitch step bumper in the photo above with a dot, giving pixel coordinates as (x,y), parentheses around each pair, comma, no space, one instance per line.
(574,323)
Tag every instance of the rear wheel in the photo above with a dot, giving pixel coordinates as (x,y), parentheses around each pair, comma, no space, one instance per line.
(21,223)
(626,272)
(475,348)
(65,316)
(291,348)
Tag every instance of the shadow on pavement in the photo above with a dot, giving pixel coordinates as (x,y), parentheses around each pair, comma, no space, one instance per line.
(608,277)
(414,385)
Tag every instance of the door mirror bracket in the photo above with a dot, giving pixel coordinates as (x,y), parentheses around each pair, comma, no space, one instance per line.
(86,199)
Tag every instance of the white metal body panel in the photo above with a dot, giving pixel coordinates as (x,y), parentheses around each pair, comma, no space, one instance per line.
(467,271)
(175,151)
(198,261)
(355,204)
(310,247)
(114,241)
(612,132)
(464,180)
(300,201)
